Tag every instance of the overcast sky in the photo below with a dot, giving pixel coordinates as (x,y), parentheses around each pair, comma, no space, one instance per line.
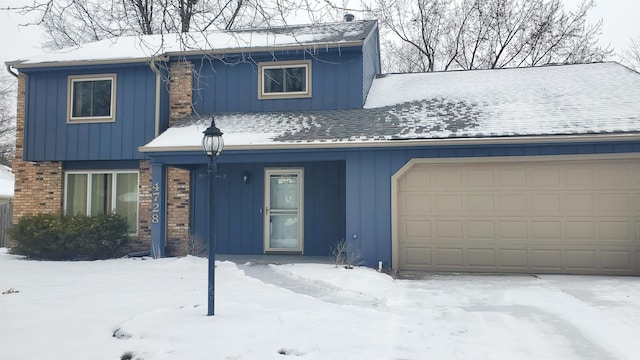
(620,24)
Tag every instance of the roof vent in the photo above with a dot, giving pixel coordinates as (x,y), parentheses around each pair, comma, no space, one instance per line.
(348,17)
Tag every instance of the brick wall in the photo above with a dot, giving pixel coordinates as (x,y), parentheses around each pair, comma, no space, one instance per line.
(142,242)
(38,186)
(178,203)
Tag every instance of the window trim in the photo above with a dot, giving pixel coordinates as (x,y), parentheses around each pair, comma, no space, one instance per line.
(114,173)
(262,94)
(90,119)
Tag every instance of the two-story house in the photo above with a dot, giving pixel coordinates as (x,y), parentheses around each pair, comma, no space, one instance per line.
(513,170)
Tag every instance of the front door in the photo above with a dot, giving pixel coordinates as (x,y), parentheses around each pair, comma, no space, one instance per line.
(283,225)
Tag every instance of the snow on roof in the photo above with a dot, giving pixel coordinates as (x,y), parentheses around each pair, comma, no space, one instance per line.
(587,99)
(143,48)
(6,182)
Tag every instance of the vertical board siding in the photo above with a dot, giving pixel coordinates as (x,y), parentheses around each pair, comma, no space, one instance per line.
(371,63)
(50,138)
(231,85)
(239,205)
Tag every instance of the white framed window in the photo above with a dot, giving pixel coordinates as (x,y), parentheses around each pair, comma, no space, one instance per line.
(284,79)
(103,192)
(91,98)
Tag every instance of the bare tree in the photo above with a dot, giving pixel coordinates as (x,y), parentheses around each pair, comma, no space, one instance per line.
(75,22)
(7,120)
(631,56)
(487,34)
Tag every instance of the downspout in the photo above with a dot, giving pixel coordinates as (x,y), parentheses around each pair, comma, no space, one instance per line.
(11,71)
(155,69)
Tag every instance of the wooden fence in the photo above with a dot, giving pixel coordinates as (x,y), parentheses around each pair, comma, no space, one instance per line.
(6,210)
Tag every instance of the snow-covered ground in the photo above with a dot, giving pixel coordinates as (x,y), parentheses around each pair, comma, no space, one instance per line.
(157,310)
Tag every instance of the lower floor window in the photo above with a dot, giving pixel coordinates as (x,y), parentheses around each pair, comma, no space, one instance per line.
(103,192)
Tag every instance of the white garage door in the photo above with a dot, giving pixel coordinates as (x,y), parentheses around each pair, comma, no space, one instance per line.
(564,215)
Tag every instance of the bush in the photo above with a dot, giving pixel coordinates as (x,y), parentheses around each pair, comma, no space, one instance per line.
(69,237)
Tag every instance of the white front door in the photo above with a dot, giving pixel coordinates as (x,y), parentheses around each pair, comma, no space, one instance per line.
(283,221)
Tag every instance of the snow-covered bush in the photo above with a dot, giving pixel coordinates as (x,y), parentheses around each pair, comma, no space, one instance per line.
(69,237)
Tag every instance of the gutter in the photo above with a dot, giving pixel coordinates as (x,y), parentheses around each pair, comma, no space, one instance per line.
(8,67)
(156,71)
(515,140)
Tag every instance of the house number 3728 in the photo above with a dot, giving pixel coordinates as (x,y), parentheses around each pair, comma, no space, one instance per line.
(155,203)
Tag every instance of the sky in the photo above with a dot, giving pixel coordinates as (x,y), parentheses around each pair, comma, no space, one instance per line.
(620,25)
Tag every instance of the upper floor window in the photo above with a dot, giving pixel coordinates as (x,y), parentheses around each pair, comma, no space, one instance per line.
(92,98)
(285,79)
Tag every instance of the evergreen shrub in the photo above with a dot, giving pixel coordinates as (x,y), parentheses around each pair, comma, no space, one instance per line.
(69,237)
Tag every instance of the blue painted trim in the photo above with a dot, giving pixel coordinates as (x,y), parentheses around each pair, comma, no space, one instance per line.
(158,209)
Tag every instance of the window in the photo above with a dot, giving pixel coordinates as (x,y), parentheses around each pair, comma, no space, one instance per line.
(285,79)
(91,98)
(103,192)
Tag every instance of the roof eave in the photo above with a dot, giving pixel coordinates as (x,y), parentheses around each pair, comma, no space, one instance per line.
(547,139)
(300,46)
(21,64)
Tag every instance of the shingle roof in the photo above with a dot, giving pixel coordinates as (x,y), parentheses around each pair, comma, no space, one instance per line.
(588,99)
(142,48)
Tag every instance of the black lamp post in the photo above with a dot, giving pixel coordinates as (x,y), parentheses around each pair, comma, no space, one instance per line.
(212,144)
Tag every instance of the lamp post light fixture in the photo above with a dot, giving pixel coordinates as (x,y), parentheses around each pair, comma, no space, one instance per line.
(212,144)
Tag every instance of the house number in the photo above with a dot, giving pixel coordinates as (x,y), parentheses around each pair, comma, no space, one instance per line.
(155,203)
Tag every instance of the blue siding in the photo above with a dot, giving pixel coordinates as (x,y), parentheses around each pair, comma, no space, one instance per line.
(362,177)
(231,85)
(371,62)
(240,220)
(50,138)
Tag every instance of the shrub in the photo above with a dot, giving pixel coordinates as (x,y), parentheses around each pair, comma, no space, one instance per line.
(69,237)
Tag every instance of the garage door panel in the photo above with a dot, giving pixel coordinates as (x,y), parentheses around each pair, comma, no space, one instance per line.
(414,204)
(509,230)
(543,231)
(581,260)
(544,203)
(511,203)
(448,229)
(446,177)
(512,176)
(417,258)
(417,229)
(613,204)
(565,216)
(480,230)
(476,177)
(481,259)
(513,259)
(546,259)
(447,204)
(580,230)
(449,257)
(416,179)
(579,203)
(478,203)
(610,176)
(615,260)
(579,176)
(616,231)
(544,176)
